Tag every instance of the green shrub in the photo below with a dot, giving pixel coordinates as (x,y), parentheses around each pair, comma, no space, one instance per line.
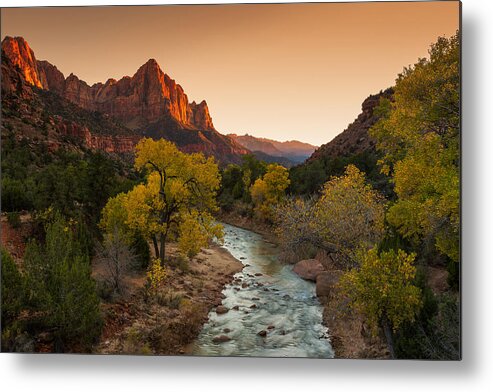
(435,334)
(453,278)
(140,247)
(16,194)
(14,219)
(182,263)
(170,299)
(61,287)
(12,289)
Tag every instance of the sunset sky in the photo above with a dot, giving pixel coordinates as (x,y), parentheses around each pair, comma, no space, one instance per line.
(286,71)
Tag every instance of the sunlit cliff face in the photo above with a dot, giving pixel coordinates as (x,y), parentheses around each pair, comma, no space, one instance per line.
(143,98)
(22,56)
(149,103)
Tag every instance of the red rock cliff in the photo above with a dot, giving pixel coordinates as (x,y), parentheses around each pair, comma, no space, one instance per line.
(22,57)
(149,103)
(146,97)
(108,143)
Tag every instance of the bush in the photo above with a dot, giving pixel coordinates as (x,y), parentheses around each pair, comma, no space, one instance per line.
(155,278)
(181,262)
(453,278)
(14,219)
(436,332)
(61,288)
(142,252)
(12,289)
(16,195)
(170,299)
(118,259)
(135,342)
(182,330)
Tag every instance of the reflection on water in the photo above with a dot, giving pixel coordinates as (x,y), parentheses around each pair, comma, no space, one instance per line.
(269,297)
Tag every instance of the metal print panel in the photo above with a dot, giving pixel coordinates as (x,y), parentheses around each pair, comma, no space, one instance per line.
(265,180)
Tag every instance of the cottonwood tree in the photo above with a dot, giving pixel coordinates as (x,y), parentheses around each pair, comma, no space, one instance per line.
(270,190)
(179,188)
(419,135)
(382,288)
(349,215)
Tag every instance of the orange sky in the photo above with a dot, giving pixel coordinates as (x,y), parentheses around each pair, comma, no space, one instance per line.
(284,71)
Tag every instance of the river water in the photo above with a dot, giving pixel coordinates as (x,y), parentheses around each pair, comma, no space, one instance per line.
(283,301)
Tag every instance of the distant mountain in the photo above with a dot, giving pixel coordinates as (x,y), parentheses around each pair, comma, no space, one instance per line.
(293,150)
(286,162)
(149,103)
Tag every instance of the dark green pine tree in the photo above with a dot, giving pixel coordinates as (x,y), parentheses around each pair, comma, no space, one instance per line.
(61,287)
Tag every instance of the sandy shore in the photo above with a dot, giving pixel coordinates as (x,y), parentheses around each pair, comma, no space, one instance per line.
(169,322)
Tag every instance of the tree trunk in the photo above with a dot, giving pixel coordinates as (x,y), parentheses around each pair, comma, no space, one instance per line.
(58,346)
(163,216)
(163,248)
(156,248)
(388,336)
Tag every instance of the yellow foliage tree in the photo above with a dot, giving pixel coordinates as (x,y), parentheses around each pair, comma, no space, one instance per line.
(179,188)
(156,275)
(419,135)
(349,215)
(382,289)
(270,190)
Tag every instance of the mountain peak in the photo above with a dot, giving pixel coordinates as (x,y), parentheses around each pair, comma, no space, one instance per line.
(294,150)
(141,100)
(17,50)
(201,117)
(150,64)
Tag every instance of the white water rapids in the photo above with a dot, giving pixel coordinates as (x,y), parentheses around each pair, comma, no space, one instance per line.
(283,301)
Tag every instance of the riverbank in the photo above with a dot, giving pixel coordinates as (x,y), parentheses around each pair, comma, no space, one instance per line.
(349,336)
(268,311)
(169,321)
(244,222)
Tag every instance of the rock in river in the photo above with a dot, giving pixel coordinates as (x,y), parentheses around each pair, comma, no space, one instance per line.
(221,339)
(221,309)
(308,269)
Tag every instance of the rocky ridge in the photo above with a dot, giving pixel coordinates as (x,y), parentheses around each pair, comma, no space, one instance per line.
(355,138)
(293,150)
(149,102)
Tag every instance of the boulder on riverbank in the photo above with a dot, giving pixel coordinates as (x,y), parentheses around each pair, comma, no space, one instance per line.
(308,269)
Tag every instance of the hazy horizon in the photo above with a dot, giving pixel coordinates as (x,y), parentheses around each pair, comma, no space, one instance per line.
(276,71)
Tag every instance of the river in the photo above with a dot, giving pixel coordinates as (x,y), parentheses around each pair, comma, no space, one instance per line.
(274,300)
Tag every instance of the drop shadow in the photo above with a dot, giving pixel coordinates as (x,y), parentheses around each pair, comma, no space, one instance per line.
(37,364)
